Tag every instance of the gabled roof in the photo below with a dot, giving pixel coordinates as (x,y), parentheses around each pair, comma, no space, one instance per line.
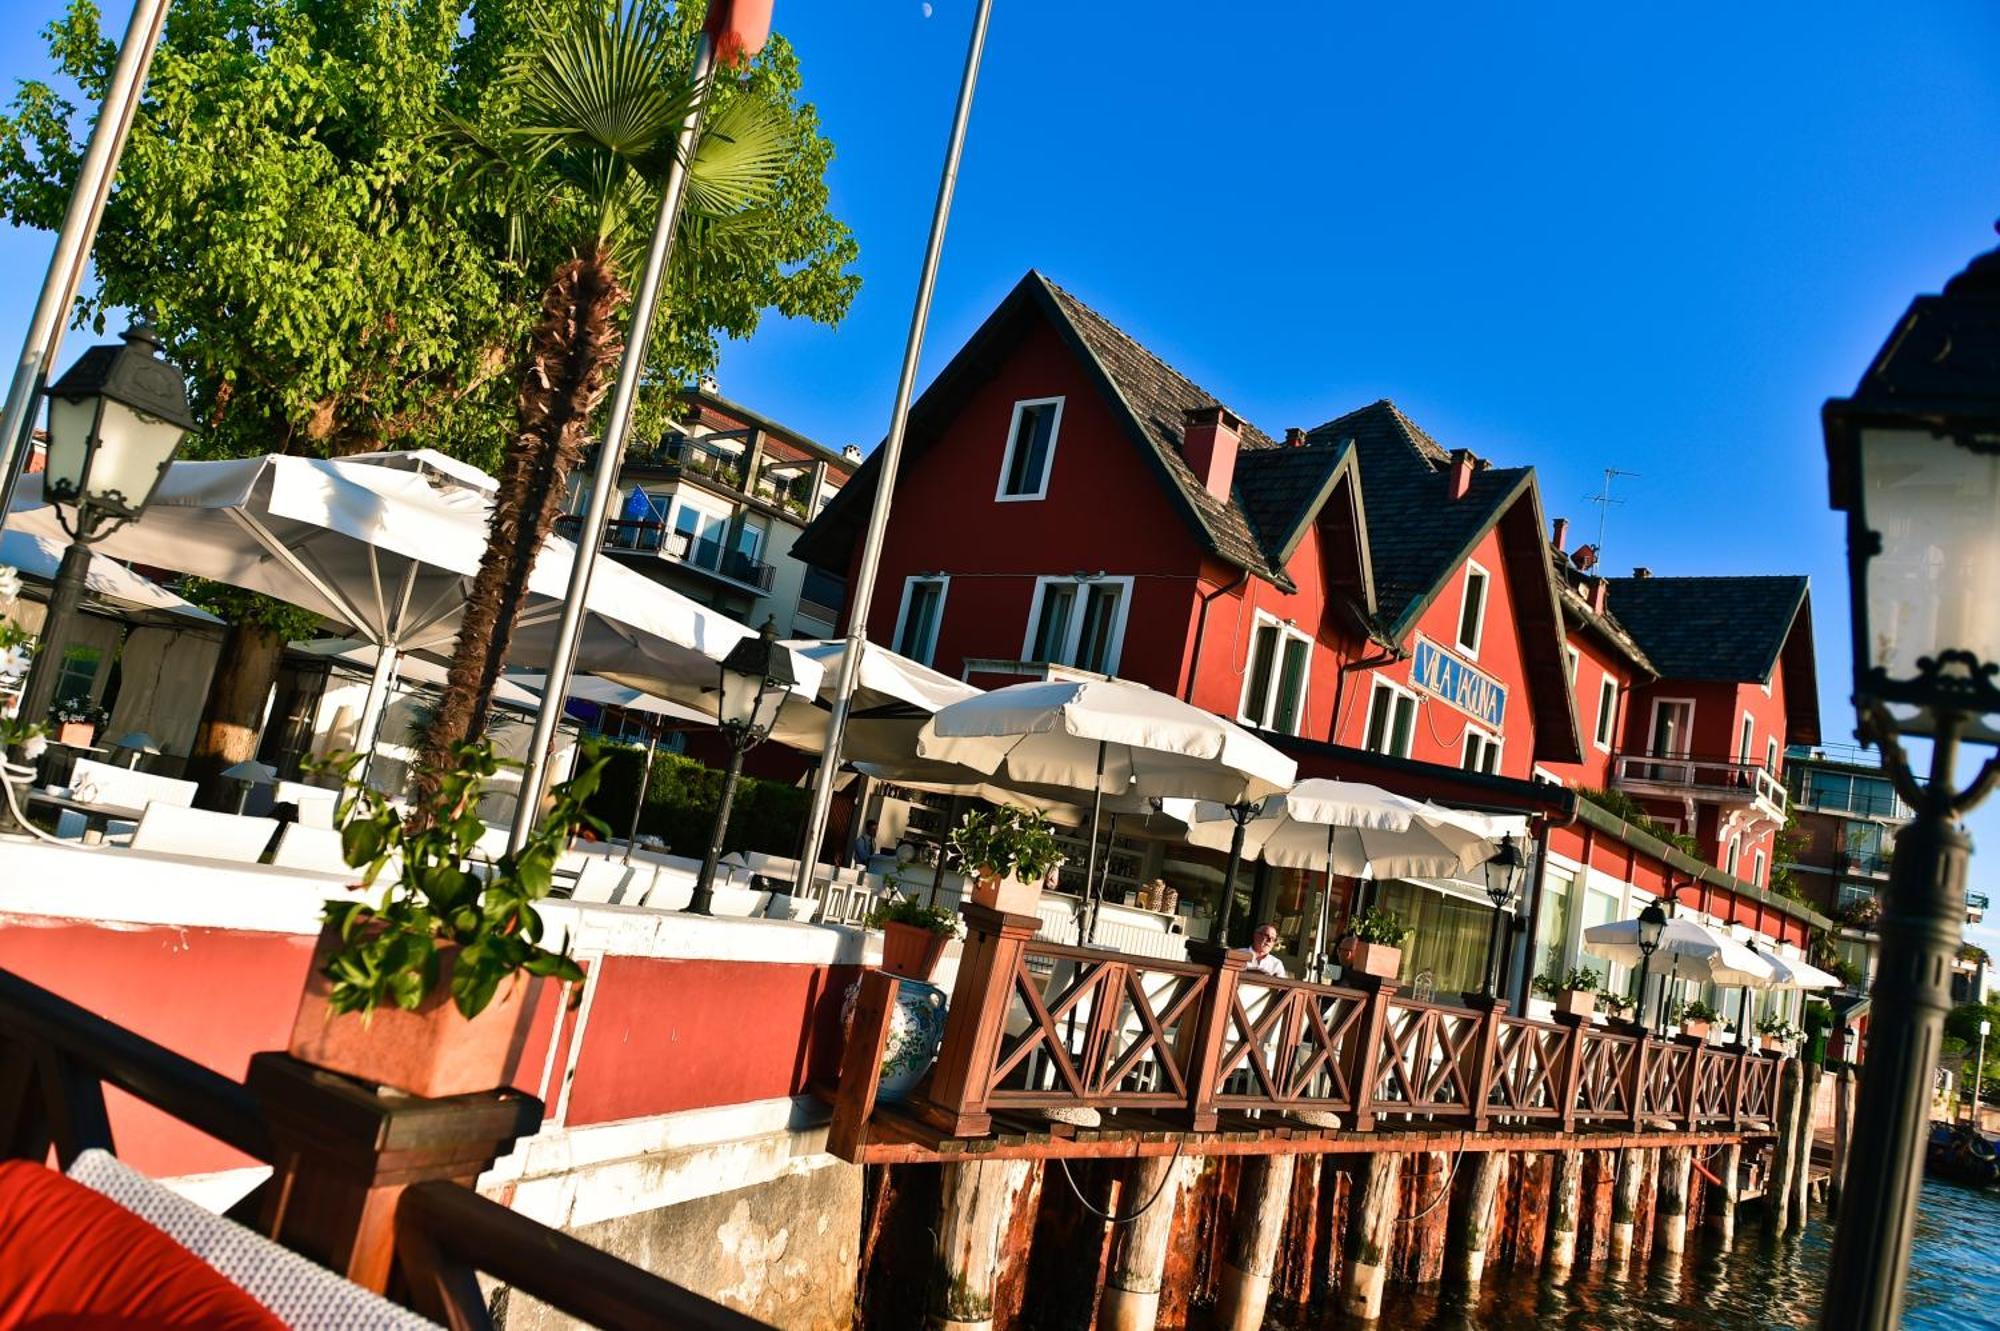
(1728,630)
(1149,396)
(1605,627)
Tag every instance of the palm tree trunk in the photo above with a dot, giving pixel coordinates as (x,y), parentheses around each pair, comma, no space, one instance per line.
(232,718)
(563,379)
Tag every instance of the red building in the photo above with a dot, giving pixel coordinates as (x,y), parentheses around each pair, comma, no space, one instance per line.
(1384,607)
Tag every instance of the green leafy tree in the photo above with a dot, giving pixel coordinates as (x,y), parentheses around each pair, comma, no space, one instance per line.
(570,155)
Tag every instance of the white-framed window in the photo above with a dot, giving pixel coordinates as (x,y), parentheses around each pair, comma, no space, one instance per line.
(1757,870)
(1275,678)
(1472,609)
(1735,849)
(1607,713)
(701,531)
(1746,745)
(1031,450)
(922,613)
(1771,754)
(1572,658)
(1482,751)
(1078,622)
(1392,719)
(1544,777)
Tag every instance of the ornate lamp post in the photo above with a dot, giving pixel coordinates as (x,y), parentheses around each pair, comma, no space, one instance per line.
(116,418)
(1914,461)
(1503,880)
(756,676)
(1652,923)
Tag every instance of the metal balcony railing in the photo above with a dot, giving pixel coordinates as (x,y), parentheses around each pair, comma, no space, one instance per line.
(679,546)
(685,453)
(1715,779)
(1868,800)
(1863,863)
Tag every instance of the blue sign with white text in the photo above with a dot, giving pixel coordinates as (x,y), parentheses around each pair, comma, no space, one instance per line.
(1443,675)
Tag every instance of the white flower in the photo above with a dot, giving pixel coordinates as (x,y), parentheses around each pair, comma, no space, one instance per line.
(14,661)
(34,747)
(10,583)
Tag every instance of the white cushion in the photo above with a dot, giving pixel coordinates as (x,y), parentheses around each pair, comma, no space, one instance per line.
(215,836)
(298,1292)
(306,847)
(102,783)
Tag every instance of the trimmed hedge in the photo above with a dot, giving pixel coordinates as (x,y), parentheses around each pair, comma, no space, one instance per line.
(680,805)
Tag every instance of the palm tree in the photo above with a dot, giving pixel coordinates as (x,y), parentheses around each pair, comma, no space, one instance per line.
(576,163)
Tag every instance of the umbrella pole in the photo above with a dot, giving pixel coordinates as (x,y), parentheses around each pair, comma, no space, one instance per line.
(378,700)
(1240,815)
(1090,871)
(645,781)
(1320,952)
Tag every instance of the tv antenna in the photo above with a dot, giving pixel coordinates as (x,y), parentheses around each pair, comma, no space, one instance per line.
(1604,501)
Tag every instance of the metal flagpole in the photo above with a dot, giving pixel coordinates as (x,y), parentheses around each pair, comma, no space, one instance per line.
(73,242)
(891,455)
(610,456)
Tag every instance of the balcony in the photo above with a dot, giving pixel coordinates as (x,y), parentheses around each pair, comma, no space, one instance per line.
(1862,863)
(1975,907)
(655,538)
(687,455)
(1692,779)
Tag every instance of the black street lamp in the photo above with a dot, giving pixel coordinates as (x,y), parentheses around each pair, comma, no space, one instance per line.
(756,677)
(116,418)
(1914,461)
(1652,923)
(1503,880)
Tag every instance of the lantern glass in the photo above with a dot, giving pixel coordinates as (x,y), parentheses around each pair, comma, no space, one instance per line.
(133,448)
(72,424)
(739,697)
(1503,872)
(1930,589)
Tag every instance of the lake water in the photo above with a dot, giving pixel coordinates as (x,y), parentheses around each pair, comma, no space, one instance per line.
(1759,1283)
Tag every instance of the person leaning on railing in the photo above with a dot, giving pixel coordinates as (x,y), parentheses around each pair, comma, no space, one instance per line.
(1262,939)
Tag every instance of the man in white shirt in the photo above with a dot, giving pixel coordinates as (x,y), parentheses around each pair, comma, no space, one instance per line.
(1262,940)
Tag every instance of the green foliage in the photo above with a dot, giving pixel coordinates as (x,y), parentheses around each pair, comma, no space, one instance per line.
(16,654)
(286,213)
(1583,980)
(1786,847)
(1613,1004)
(899,909)
(446,893)
(1777,1028)
(1974,954)
(1545,986)
(1696,1010)
(1963,1022)
(1818,1016)
(1009,841)
(78,711)
(235,605)
(1379,925)
(681,800)
(1620,805)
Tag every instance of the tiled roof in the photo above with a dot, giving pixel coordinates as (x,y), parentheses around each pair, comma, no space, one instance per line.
(1159,398)
(1280,490)
(1416,534)
(1724,628)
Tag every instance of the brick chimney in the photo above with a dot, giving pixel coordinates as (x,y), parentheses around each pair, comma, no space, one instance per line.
(1295,436)
(1209,445)
(1642,572)
(1560,534)
(1597,595)
(1458,477)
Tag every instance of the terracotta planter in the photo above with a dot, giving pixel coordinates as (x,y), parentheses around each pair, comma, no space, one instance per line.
(1011,895)
(911,952)
(433,1051)
(1695,1029)
(1576,1002)
(76,734)
(1377,959)
(1772,1044)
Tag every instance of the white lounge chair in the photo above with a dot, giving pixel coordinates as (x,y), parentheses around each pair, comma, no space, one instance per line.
(313,848)
(102,783)
(315,803)
(173,830)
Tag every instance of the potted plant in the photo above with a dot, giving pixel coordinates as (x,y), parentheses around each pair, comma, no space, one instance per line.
(429,990)
(77,720)
(913,935)
(1373,943)
(1006,853)
(1613,1006)
(1774,1033)
(1695,1018)
(1579,993)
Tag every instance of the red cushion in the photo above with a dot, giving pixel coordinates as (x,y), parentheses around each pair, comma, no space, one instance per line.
(73,1259)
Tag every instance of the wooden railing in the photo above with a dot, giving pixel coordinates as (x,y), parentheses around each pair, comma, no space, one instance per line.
(56,1059)
(1049,1027)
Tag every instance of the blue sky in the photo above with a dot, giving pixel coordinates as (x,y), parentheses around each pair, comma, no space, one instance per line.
(1578,236)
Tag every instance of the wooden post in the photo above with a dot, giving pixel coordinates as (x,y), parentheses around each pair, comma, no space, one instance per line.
(1139,1249)
(1843,1128)
(343,1153)
(1486,1046)
(976,1020)
(1625,1203)
(1365,1053)
(1474,1233)
(1565,1210)
(1570,1079)
(1636,1096)
(1691,1084)
(978,1207)
(1730,1171)
(1802,1153)
(1676,1166)
(1209,1030)
(861,1065)
(1778,1189)
(1262,1199)
(1369,1235)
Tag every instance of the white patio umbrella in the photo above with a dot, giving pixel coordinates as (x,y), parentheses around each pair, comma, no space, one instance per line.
(363,657)
(1792,973)
(108,582)
(1355,829)
(893,697)
(386,546)
(1110,738)
(1694,950)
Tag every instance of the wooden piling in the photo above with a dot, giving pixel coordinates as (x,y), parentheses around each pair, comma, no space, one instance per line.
(1625,1203)
(1416,1252)
(1139,1248)
(1472,1229)
(1370,1235)
(976,1213)
(1262,1199)
(1565,1211)
(1802,1151)
(1843,1128)
(1778,1189)
(1676,1168)
(1722,1211)
(1527,1227)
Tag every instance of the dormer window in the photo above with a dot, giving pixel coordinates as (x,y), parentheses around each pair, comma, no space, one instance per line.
(1031,449)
